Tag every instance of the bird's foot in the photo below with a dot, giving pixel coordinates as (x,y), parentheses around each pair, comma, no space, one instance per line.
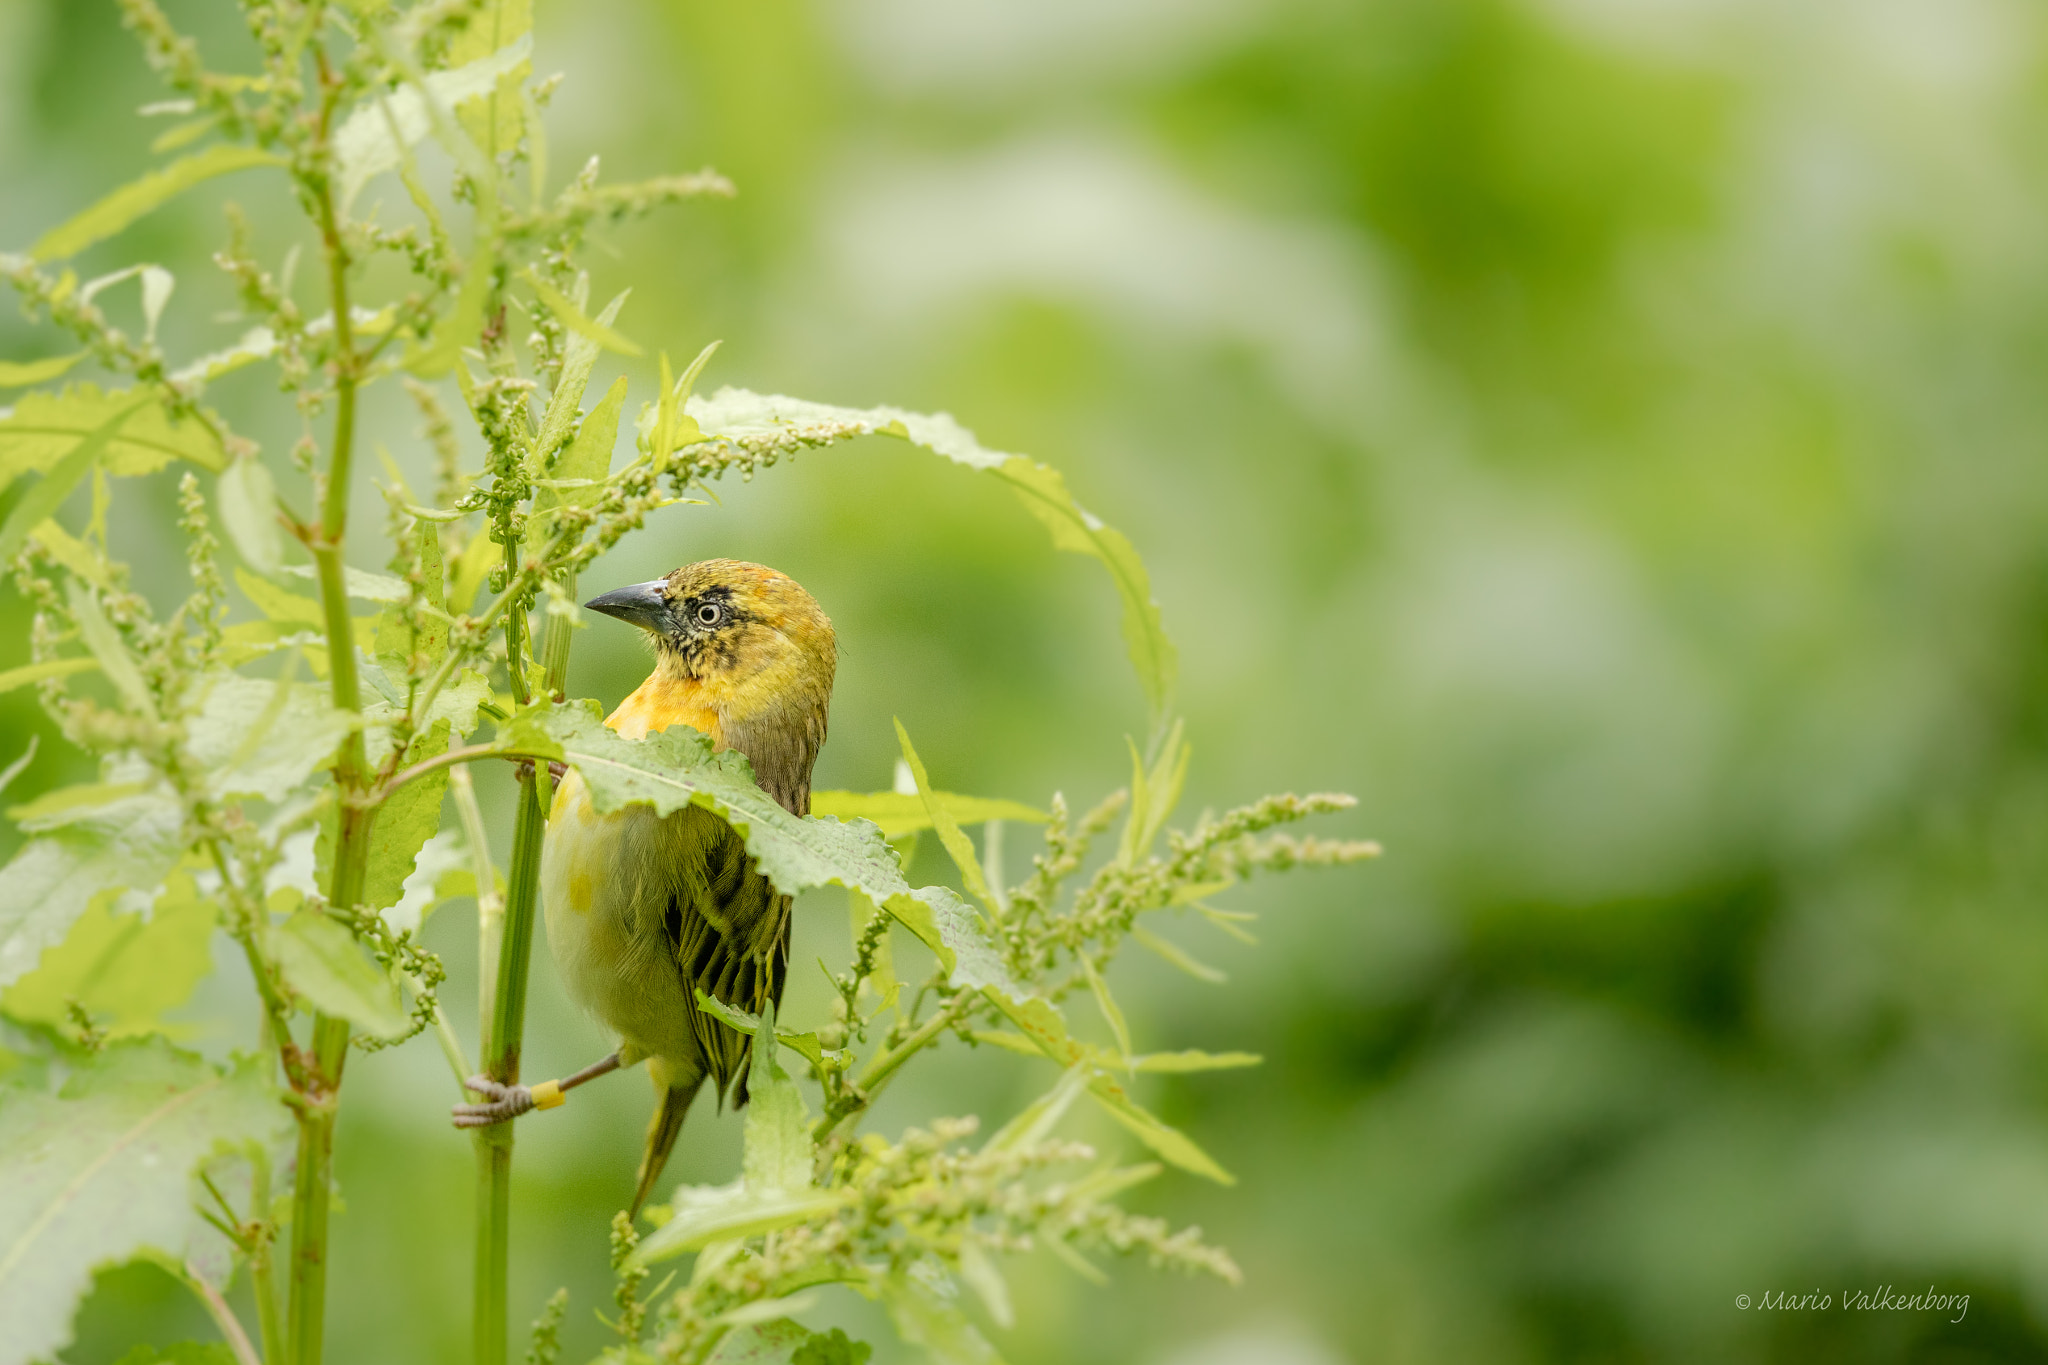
(503,1102)
(557,770)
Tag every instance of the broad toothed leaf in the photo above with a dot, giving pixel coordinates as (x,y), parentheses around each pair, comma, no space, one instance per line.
(101,1172)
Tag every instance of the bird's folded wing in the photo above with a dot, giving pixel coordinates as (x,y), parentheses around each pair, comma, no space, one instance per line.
(729,936)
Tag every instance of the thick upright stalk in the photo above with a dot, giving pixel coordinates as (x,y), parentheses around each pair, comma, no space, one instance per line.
(505,1024)
(306,1315)
(501,1063)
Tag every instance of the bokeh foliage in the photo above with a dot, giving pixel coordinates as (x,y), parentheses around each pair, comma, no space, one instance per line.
(1604,436)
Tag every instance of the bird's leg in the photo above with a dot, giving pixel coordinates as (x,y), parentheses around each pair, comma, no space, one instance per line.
(505,1102)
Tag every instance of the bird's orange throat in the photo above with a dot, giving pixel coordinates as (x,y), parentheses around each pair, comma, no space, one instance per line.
(668,698)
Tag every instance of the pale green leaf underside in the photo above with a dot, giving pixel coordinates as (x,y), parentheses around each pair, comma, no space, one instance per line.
(677,767)
(43,428)
(101,1173)
(130,842)
(364,146)
(772,422)
(322,962)
(258,737)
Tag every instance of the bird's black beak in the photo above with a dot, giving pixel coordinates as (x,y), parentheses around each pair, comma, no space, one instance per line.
(641,604)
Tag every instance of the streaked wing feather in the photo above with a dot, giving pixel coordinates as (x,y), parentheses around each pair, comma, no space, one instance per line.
(729,937)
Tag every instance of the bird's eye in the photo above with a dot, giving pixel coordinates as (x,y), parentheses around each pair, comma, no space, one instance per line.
(710,613)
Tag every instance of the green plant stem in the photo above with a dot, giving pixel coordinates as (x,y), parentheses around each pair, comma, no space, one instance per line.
(506,1024)
(501,1051)
(262,1281)
(306,1316)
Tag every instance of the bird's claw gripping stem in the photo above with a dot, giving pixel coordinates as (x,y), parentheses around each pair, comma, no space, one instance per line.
(503,1102)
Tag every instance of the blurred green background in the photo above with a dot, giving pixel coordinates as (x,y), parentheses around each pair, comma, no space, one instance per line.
(1606,435)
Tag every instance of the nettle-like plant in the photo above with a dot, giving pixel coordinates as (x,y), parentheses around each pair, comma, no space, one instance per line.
(281,772)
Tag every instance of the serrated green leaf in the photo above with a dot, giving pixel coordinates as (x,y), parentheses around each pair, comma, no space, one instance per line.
(777,1152)
(22,373)
(43,428)
(51,880)
(125,969)
(442,872)
(495,122)
(677,767)
(106,645)
(744,418)
(260,737)
(901,813)
(248,509)
(364,145)
(139,197)
(956,843)
(37,505)
(100,1173)
(589,456)
(405,821)
(322,962)
(55,668)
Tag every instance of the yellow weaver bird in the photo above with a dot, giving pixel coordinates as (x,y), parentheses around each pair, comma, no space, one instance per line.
(643,908)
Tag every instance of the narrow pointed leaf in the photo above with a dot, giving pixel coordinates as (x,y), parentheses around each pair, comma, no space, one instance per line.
(139,197)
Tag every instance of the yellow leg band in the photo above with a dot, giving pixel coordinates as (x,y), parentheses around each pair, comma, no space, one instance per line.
(548,1095)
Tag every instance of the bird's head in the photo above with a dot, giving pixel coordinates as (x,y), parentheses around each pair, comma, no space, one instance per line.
(731,626)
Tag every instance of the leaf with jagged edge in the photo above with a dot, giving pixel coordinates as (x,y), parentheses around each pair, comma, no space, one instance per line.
(260,737)
(42,428)
(405,821)
(494,121)
(43,500)
(123,968)
(901,813)
(777,1151)
(364,145)
(322,962)
(100,1173)
(131,841)
(773,422)
(144,195)
(676,767)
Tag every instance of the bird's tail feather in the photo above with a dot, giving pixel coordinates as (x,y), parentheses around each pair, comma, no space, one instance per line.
(661,1137)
